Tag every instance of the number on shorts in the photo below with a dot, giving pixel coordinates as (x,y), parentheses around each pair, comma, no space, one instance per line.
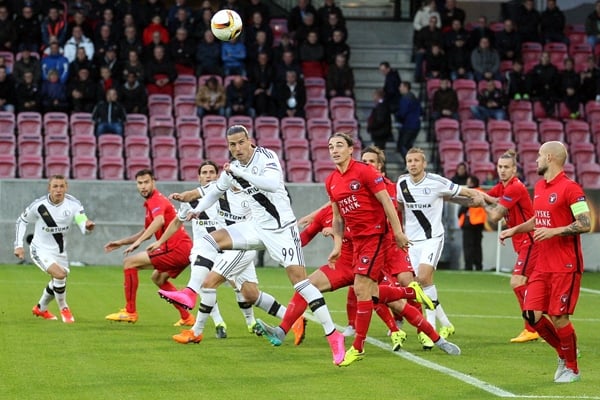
(430,257)
(287,253)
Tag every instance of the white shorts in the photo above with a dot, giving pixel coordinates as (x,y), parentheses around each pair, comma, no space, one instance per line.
(237,266)
(283,245)
(44,259)
(426,251)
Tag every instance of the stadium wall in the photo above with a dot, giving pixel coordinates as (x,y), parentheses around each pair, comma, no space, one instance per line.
(117,209)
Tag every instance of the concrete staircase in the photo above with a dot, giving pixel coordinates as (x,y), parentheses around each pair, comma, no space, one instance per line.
(372,42)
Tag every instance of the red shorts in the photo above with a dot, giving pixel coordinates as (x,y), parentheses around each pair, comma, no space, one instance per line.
(526,259)
(369,256)
(397,261)
(554,293)
(172,260)
(343,274)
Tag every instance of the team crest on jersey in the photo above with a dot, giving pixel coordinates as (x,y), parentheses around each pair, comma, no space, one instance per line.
(254,170)
(66,213)
(564,299)
(426,190)
(365,260)
(245,204)
(552,199)
(354,185)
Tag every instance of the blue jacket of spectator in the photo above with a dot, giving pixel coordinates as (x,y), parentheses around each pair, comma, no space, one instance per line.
(57,62)
(53,91)
(409,112)
(233,54)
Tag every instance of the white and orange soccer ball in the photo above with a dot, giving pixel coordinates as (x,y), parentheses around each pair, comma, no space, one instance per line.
(226,25)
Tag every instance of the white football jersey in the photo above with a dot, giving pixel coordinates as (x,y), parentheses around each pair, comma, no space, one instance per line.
(270,210)
(52,223)
(423,203)
(231,207)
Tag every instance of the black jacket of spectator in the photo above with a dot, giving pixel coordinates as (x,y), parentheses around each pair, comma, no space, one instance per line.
(147,10)
(340,80)
(282,69)
(529,25)
(426,37)
(126,46)
(89,93)
(476,34)
(283,92)
(450,15)
(379,124)
(545,81)
(445,99)
(332,49)
(295,17)
(7,90)
(459,57)
(8,35)
(117,112)
(592,24)
(324,11)
(154,68)
(208,58)
(391,89)
(76,65)
(517,83)
(183,53)
(250,34)
(134,98)
(29,32)
(552,21)
(28,97)
(260,7)
(569,78)
(31,65)
(507,42)
(590,84)
(239,96)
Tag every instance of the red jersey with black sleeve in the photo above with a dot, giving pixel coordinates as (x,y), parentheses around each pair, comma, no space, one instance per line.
(354,192)
(157,204)
(552,204)
(515,198)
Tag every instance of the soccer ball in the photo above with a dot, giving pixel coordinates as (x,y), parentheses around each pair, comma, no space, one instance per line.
(226,25)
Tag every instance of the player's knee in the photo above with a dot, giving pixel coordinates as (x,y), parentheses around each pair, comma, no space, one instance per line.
(316,304)
(59,285)
(529,316)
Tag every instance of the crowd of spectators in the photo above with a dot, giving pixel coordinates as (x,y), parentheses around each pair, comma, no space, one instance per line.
(66,55)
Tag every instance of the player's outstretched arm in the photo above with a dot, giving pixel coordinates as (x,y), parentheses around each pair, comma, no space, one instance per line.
(495,212)
(115,244)
(170,231)
(186,197)
(309,218)
(156,224)
(19,253)
(526,226)
(267,181)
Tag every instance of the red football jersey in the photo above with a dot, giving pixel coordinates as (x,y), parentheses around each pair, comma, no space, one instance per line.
(515,198)
(322,220)
(157,204)
(552,207)
(353,191)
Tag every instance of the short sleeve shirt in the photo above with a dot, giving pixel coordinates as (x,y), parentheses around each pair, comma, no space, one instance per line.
(157,204)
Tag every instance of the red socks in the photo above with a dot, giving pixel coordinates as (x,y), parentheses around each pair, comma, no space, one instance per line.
(548,332)
(168,286)
(351,306)
(520,293)
(415,318)
(387,293)
(386,316)
(568,345)
(131,285)
(295,309)
(364,311)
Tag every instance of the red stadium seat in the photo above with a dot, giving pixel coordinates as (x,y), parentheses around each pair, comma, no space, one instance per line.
(520,111)
(137,146)
(466,89)
(162,125)
(293,127)
(135,164)
(29,123)
(266,127)
(136,124)
(216,148)
(31,166)
(349,126)
(163,147)
(214,126)
(450,150)
(111,168)
(319,128)
(8,143)
(299,171)
(582,153)
(85,167)
(464,109)
(29,144)
(342,108)
(202,79)
(498,148)
(319,149)
(446,129)
(316,108)
(539,112)
(110,145)
(525,131)
(315,87)
(296,149)
(7,122)
(576,34)
(160,104)
(432,85)
(577,131)
(243,120)
(57,165)
(531,174)
(8,166)
(185,105)
(82,124)
(188,169)
(551,130)
(588,176)
(56,145)
(166,169)
(189,147)
(274,144)
(482,85)
(499,131)
(187,126)
(482,168)
(56,123)
(477,151)
(528,152)
(83,145)
(322,169)
(531,52)
(473,129)
(558,52)
(570,170)
(184,85)
(592,112)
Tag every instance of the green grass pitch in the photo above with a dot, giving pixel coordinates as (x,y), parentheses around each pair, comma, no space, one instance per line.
(97,359)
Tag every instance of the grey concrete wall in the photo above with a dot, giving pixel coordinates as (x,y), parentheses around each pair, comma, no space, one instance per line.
(117,209)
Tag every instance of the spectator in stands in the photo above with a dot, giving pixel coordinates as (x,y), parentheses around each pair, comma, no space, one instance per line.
(456,30)
(258,24)
(423,16)
(379,123)
(233,55)
(98,7)
(54,25)
(391,85)
(8,96)
(409,116)
(132,95)
(312,56)
(288,63)
(291,96)
(155,26)
(28,94)
(160,73)
(337,46)
(83,92)
(130,42)
(485,61)
(426,37)
(149,9)
(202,23)
(107,81)
(490,179)
(568,76)
(436,62)
(54,93)
(452,13)
(258,6)
(233,5)
(108,20)
(552,24)
(590,80)
(262,80)
(529,22)
(461,174)
(295,19)
(309,24)
(480,30)
(27,63)
(102,44)
(28,29)
(182,20)
(149,49)
(329,7)
(445,101)
(81,61)
(208,55)
(8,35)
(210,98)
(330,25)
(508,42)
(572,102)
(238,98)
(492,103)
(340,78)
(111,61)
(76,41)
(258,46)
(56,62)
(545,83)
(592,26)
(518,83)
(285,44)
(182,50)
(459,60)
(109,115)
(79,19)
(174,11)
